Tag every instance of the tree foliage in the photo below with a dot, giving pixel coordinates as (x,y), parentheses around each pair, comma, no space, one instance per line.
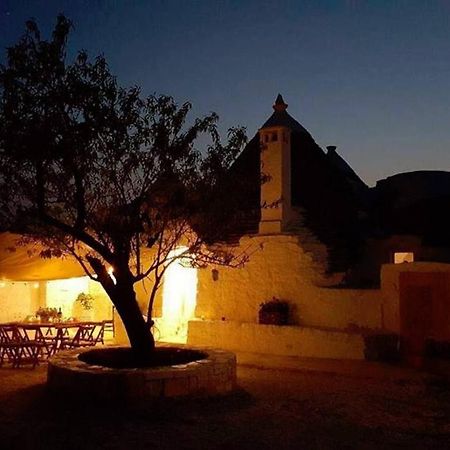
(101,172)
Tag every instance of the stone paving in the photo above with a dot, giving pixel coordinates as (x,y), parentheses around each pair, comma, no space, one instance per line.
(301,405)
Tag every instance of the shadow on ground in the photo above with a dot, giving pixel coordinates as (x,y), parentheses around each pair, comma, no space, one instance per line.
(273,409)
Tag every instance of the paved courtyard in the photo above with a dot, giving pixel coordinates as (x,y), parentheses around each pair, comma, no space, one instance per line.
(304,405)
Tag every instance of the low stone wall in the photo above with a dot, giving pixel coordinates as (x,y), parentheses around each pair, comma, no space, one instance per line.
(214,375)
(277,340)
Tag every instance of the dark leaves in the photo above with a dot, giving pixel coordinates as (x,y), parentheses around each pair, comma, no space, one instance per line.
(82,156)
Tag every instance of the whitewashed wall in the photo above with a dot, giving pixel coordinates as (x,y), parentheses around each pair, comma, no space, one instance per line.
(279,268)
(18,300)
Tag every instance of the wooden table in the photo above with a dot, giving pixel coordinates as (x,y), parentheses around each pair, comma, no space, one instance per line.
(22,342)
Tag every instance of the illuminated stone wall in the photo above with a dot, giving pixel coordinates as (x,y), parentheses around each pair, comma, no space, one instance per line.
(18,300)
(325,322)
(279,268)
(326,319)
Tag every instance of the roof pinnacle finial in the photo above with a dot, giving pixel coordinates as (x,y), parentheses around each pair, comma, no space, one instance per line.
(279,104)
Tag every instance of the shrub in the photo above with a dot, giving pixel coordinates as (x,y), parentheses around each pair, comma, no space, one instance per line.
(274,312)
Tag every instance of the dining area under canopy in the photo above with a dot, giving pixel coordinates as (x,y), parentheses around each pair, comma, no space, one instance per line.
(30,284)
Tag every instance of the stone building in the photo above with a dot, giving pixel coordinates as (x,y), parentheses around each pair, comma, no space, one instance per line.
(361,269)
(324,242)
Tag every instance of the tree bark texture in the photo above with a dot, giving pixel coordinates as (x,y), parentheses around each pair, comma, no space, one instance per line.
(138,331)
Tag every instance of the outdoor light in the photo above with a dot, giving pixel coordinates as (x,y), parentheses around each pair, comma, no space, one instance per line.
(403,257)
(179,295)
(36,285)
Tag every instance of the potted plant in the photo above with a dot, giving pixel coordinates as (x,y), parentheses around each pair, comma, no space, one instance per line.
(47,314)
(273,312)
(85,302)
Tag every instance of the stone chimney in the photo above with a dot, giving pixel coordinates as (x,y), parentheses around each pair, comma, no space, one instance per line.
(275,139)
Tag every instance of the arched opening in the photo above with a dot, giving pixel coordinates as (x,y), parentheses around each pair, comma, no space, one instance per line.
(61,295)
(179,299)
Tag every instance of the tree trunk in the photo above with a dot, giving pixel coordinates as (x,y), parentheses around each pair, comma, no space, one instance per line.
(139,334)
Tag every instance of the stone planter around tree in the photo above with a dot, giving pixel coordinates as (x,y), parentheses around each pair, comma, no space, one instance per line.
(212,373)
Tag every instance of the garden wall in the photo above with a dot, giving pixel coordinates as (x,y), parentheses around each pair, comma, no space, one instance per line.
(278,267)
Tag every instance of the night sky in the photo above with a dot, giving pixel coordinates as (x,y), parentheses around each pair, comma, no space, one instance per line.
(372,77)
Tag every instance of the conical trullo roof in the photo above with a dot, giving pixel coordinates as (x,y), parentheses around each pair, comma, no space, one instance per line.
(281,118)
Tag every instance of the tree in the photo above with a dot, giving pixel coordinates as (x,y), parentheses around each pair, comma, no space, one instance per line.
(97,171)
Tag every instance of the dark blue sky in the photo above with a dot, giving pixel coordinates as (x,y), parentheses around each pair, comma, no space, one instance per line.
(370,76)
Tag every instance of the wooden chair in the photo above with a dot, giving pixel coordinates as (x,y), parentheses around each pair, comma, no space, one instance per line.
(5,348)
(47,340)
(86,335)
(109,326)
(9,341)
(92,334)
(65,340)
(51,337)
(100,334)
(17,348)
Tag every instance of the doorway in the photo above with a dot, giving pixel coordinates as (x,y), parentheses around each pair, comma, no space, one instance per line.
(179,299)
(424,309)
(61,294)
